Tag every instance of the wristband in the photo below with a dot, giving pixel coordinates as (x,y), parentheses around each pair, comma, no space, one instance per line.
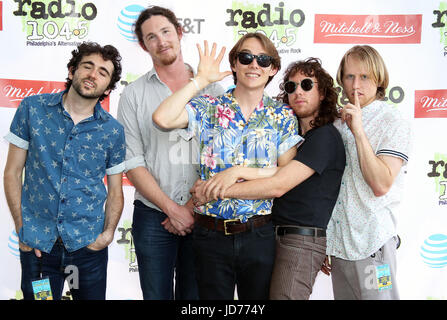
(195,83)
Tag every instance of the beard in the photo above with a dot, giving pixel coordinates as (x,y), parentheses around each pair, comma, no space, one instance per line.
(167,60)
(79,88)
(306,113)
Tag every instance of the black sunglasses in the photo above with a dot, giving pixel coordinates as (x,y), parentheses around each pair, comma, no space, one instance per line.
(263,60)
(306,84)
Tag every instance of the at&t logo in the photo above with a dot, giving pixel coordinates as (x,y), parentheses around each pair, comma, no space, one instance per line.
(434,251)
(127,19)
(13,244)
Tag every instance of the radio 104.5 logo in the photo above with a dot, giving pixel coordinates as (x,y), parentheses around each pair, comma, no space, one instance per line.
(277,21)
(438,172)
(55,22)
(125,239)
(440,20)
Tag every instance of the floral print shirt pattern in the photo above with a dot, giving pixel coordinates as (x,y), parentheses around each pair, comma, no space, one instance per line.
(226,139)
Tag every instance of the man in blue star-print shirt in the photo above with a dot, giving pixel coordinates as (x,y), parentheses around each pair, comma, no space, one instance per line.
(67,143)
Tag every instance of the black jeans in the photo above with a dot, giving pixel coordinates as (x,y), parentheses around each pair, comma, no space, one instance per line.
(244,260)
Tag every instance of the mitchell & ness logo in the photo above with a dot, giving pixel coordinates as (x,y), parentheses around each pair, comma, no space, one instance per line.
(333,28)
(430,104)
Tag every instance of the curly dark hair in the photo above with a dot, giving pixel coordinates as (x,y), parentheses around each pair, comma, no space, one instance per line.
(311,67)
(108,52)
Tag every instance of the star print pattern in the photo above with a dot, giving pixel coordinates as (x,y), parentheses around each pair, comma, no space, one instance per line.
(63,192)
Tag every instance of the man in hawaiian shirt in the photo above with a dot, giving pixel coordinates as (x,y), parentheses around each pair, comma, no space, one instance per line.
(67,143)
(234,239)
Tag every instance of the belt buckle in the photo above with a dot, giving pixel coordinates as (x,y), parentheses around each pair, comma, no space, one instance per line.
(225,226)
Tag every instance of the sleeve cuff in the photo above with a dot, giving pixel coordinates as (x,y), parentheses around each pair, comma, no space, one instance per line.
(134,163)
(392,153)
(191,120)
(116,169)
(289,143)
(16,140)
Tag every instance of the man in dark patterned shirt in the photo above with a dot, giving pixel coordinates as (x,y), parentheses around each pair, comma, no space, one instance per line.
(67,143)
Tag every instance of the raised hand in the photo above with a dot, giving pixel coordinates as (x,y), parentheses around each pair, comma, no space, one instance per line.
(209,65)
(352,115)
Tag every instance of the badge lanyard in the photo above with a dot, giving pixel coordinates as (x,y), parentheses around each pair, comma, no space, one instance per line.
(41,286)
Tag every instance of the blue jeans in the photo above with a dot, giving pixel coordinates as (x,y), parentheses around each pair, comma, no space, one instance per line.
(244,260)
(86,269)
(160,253)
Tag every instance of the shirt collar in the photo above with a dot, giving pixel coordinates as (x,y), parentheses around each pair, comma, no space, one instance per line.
(98,111)
(264,102)
(56,99)
(370,110)
(153,73)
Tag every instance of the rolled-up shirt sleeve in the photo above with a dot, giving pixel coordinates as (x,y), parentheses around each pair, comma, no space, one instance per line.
(19,133)
(289,136)
(396,142)
(127,116)
(117,154)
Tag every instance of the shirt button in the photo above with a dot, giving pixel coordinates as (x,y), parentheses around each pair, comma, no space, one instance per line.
(63,200)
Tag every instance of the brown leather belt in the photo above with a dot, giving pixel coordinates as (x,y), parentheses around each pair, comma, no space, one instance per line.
(231,226)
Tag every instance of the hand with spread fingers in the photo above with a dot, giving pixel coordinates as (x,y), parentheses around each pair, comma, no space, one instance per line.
(209,65)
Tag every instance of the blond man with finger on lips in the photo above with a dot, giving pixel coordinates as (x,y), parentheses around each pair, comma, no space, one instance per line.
(361,235)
